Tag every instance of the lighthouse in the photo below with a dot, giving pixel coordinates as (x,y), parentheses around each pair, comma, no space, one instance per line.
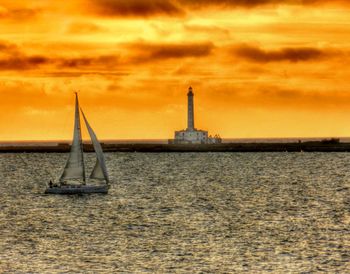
(191,135)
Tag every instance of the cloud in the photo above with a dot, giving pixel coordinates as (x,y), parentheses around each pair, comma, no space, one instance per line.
(144,8)
(100,61)
(255,3)
(84,28)
(154,52)
(256,54)
(73,74)
(22,62)
(18,14)
(13,58)
(134,8)
(148,8)
(229,3)
(277,96)
(7,48)
(212,30)
(308,99)
(133,54)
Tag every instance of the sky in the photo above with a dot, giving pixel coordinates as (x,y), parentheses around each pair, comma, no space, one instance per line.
(258,68)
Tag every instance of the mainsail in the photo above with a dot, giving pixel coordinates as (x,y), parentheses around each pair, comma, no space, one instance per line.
(100,169)
(74,168)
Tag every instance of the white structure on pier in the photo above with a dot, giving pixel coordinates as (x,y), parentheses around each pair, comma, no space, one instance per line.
(191,135)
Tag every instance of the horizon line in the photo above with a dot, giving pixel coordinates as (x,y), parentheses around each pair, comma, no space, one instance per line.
(165,139)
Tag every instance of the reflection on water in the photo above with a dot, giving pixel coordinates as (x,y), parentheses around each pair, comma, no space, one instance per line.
(184,213)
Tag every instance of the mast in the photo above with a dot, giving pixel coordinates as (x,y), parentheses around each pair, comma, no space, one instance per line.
(77,115)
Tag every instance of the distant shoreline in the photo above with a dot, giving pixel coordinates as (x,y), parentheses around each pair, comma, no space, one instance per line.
(310,146)
(35,143)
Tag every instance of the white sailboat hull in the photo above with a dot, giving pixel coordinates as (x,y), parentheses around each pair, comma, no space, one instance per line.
(77,189)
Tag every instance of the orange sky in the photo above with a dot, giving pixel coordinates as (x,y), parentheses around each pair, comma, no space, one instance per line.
(260,68)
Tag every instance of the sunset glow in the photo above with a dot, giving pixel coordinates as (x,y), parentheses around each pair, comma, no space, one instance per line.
(259,68)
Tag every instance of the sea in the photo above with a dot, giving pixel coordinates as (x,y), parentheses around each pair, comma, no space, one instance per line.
(179,213)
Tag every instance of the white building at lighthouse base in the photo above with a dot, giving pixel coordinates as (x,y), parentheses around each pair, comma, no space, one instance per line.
(191,137)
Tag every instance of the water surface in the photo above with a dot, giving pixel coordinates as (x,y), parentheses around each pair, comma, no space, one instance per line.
(180,213)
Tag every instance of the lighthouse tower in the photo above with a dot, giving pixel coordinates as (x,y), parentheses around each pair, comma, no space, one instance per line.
(190,110)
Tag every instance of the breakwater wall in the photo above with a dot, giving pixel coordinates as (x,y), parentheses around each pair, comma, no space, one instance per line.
(225,147)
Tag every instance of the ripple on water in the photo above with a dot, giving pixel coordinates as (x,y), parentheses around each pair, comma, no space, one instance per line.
(189,212)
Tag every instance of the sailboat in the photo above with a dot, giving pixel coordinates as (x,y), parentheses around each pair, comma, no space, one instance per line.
(73,179)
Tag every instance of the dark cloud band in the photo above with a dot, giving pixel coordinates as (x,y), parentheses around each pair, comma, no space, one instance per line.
(127,8)
(256,54)
(154,52)
(148,8)
(137,53)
